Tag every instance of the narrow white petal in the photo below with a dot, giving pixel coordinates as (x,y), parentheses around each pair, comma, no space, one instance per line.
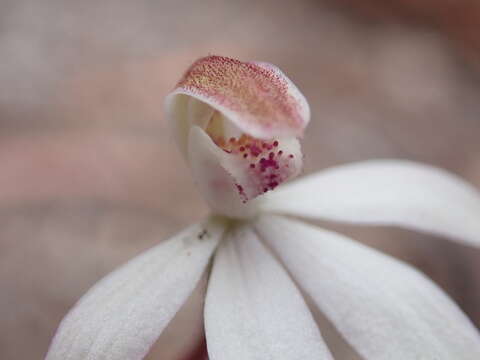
(384,308)
(123,315)
(386,192)
(253,310)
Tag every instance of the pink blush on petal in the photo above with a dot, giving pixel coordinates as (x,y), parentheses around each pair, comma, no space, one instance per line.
(257,95)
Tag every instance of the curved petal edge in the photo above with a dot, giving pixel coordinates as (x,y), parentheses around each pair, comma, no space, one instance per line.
(384,308)
(253,310)
(123,314)
(386,192)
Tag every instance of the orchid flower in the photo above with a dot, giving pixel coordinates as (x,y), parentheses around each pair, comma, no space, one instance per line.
(238,125)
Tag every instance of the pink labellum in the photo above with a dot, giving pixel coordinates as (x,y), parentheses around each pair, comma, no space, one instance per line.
(233,172)
(260,165)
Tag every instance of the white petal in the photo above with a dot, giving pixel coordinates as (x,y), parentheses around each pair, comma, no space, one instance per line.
(384,308)
(386,192)
(123,315)
(253,310)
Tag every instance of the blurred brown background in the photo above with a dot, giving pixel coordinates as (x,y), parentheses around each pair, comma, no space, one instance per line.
(90,177)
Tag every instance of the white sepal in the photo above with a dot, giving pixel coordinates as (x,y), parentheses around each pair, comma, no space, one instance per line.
(384,308)
(123,314)
(386,192)
(253,311)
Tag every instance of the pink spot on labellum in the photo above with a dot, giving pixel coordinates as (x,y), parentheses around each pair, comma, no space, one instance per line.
(241,192)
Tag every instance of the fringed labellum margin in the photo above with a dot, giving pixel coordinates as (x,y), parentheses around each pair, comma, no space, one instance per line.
(237,124)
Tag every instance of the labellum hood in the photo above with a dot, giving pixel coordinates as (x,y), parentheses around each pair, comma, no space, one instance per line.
(237,124)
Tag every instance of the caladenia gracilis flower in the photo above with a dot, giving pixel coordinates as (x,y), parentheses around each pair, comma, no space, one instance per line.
(238,126)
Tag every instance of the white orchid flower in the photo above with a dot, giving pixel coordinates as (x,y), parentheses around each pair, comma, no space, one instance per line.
(237,125)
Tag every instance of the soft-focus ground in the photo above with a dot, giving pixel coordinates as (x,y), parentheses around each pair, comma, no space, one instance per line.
(90,177)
